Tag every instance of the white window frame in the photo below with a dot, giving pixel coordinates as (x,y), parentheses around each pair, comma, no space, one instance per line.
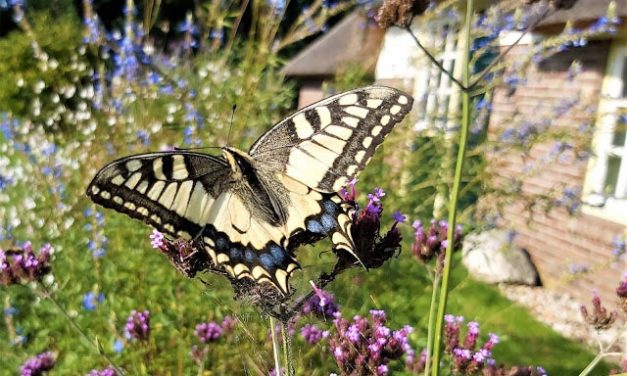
(438,102)
(609,205)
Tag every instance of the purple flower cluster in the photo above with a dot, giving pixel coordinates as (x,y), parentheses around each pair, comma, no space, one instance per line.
(109,371)
(21,265)
(466,358)
(138,325)
(618,246)
(312,334)
(208,332)
(600,318)
(39,364)
(433,241)
(371,248)
(157,240)
(366,346)
(322,304)
(621,291)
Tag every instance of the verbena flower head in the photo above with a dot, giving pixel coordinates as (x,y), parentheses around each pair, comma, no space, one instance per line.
(600,318)
(39,364)
(109,371)
(432,242)
(208,332)
(365,344)
(371,248)
(321,304)
(138,325)
(22,265)
(157,240)
(312,334)
(228,324)
(621,291)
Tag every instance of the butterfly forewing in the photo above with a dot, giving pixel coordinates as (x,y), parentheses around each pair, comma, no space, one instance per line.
(173,192)
(328,143)
(188,195)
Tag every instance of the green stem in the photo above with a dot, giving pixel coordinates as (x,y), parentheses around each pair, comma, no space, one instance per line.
(275,346)
(455,193)
(431,328)
(287,350)
(46,294)
(434,60)
(592,364)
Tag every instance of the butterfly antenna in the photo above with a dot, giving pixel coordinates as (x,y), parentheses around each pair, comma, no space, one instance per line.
(228,135)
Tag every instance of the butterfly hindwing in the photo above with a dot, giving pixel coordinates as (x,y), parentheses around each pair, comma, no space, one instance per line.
(328,143)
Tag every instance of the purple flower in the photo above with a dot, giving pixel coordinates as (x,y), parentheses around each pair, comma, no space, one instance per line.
(157,240)
(378,315)
(353,334)
(382,370)
(208,332)
(312,334)
(37,365)
(399,217)
(493,339)
(228,324)
(138,325)
(349,193)
(109,371)
(21,265)
(322,304)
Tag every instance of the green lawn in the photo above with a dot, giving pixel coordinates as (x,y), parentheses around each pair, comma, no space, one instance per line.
(133,276)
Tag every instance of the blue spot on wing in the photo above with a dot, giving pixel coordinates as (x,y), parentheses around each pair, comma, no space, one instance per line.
(328,222)
(278,254)
(329,206)
(314,226)
(249,255)
(267,261)
(221,244)
(236,253)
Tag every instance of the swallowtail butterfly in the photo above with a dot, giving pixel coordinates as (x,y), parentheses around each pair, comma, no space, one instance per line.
(251,209)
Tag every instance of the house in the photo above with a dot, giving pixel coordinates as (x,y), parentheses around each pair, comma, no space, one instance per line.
(572,253)
(355,40)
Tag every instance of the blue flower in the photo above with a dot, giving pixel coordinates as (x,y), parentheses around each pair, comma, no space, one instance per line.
(91,300)
(118,346)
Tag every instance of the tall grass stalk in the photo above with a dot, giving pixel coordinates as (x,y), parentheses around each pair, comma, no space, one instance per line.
(463,136)
(432,313)
(276,347)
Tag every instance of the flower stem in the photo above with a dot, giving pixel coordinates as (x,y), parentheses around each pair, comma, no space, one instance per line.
(275,346)
(431,327)
(46,294)
(455,193)
(287,349)
(435,61)
(592,364)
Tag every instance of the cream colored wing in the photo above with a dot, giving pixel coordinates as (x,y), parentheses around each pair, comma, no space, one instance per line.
(328,143)
(187,195)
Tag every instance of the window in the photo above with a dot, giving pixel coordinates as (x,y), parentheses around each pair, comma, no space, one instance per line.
(437,97)
(606,183)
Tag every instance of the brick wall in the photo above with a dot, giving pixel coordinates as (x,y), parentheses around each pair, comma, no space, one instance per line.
(557,239)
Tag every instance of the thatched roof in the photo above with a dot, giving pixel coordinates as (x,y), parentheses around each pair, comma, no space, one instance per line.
(585,10)
(354,40)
